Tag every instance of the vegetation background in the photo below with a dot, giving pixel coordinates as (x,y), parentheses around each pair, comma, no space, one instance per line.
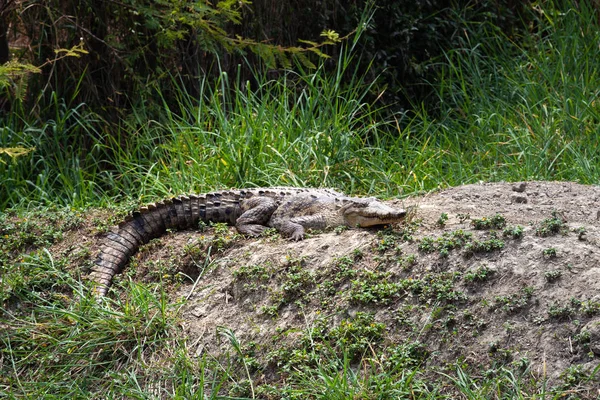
(124,99)
(107,101)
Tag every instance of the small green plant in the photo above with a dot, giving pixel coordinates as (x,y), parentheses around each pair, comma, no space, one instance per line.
(387,242)
(339,229)
(270,310)
(407,261)
(471,320)
(271,234)
(202,226)
(557,311)
(495,222)
(583,338)
(343,267)
(590,308)
(514,302)
(220,228)
(357,334)
(581,231)
(253,272)
(483,246)
(453,240)
(296,281)
(515,232)
(522,364)
(572,377)
(357,254)
(463,217)
(102,225)
(552,276)
(341,271)
(224,237)
(552,226)
(374,287)
(426,244)
(407,355)
(550,252)
(446,242)
(404,314)
(391,239)
(195,250)
(442,220)
(481,274)
(438,287)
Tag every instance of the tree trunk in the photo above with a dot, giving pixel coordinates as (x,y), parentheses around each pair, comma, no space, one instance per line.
(4,52)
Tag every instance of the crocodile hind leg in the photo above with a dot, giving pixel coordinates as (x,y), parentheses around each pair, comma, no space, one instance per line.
(256,213)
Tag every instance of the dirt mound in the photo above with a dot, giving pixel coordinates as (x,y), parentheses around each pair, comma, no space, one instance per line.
(485,273)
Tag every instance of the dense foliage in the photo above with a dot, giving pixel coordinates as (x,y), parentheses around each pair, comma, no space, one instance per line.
(161,97)
(131,48)
(136,48)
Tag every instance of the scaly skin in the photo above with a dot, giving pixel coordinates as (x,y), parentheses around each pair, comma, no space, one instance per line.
(289,210)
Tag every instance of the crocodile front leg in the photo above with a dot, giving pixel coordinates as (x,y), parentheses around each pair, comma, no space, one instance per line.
(294,228)
(256,213)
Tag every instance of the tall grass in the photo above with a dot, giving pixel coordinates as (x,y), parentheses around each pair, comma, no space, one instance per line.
(526,109)
(508,109)
(56,341)
(302,129)
(64,166)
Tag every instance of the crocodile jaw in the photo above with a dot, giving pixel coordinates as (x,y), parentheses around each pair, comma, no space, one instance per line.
(372,212)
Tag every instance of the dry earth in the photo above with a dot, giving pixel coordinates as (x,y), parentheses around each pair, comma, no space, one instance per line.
(536,298)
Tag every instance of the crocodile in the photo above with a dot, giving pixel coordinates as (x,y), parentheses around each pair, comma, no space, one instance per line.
(251,211)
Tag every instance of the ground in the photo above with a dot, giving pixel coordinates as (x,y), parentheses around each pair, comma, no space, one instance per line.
(511,296)
(483,275)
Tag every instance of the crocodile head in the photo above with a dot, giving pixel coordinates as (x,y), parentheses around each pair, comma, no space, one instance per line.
(369,211)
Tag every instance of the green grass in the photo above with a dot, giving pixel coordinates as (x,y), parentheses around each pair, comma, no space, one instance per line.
(509,109)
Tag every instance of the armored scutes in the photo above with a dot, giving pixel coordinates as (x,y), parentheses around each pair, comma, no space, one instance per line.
(289,210)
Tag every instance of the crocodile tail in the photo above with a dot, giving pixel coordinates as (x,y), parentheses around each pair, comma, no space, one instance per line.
(139,228)
(153,221)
